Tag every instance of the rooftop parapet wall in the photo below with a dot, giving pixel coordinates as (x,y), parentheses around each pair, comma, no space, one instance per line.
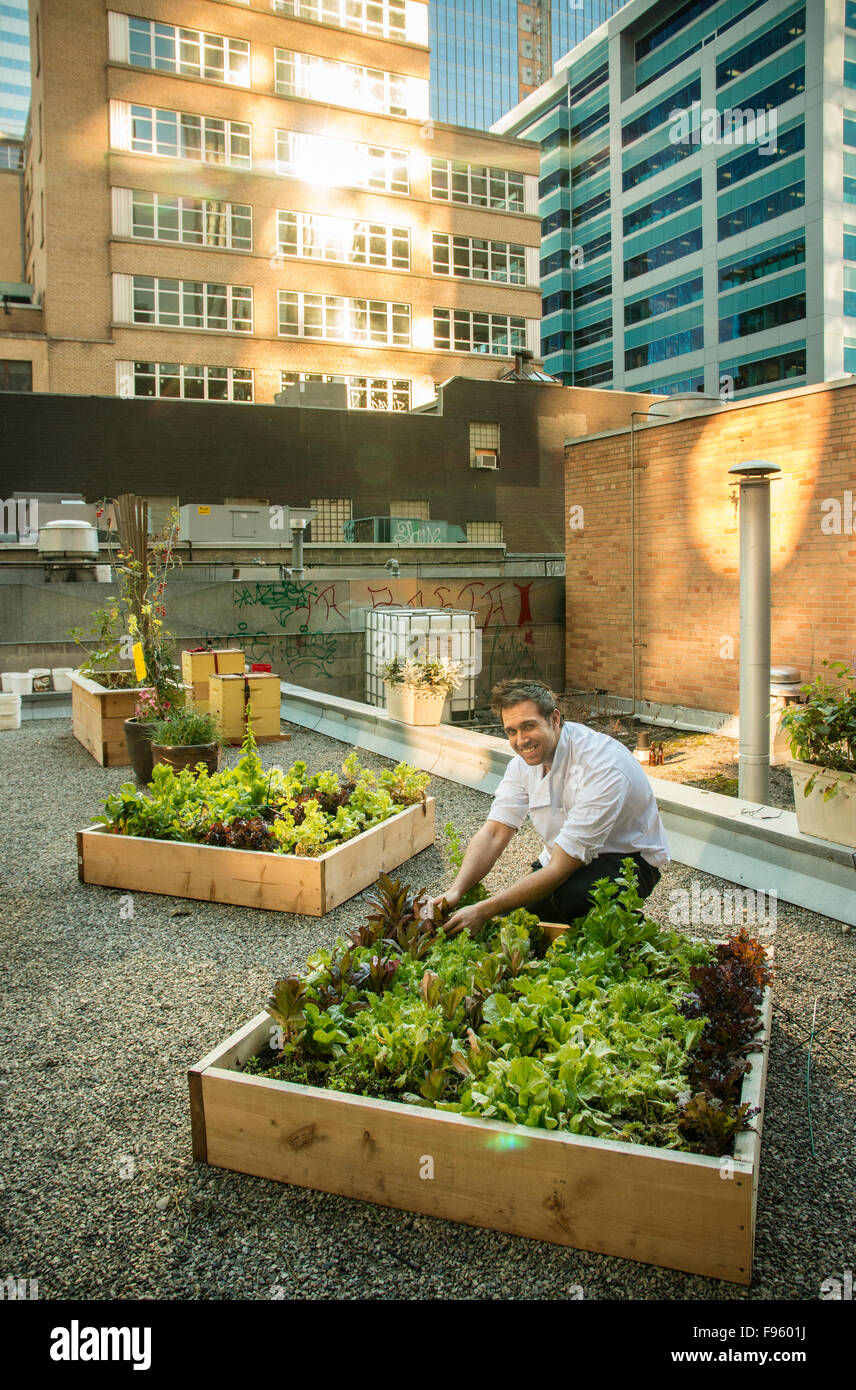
(687,547)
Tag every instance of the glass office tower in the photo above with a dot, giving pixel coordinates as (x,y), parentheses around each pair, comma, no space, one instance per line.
(698,170)
(14,67)
(488,54)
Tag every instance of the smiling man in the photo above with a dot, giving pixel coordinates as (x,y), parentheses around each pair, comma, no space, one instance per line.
(587,797)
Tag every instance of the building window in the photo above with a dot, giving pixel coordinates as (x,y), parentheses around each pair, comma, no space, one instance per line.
(16,376)
(732,171)
(419,511)
(664,299)
(343,239)
(767,260)
(487,532)
(592,333)
(471,258)
(190,304)
(341,163)
(765,316)
(664,254)
(461,330)
(661,349)
(596,289)
(178,135)
(193,221)
(348,84)
(661,111)
(595,375)
(484,445)
(331,513)
(180,381)
(364,392)
(11,156)
(385,18)
(334,318)
(501,189)
(775,204)
(761,46)
(187,52)
(784,367)
(673,200)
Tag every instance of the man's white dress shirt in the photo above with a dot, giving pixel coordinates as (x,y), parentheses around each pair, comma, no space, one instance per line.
(595,799)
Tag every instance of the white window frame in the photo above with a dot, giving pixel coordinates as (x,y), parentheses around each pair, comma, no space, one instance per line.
(180,51)
(351,85)
(126,201)
(340,318)
(127,288)
(350,14)
(367,387)
(350,241)
(482,185)
(345,163)
(447,249)
(494,324)
(126,376)
(202,149)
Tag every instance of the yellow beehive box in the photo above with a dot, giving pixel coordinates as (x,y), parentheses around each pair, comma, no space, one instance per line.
(230,695)
(200,666)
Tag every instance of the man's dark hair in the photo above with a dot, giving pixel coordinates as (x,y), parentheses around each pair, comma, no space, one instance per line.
(513,692)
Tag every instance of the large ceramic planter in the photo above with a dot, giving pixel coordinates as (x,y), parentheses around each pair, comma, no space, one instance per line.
(255,878)
(834,819)
(181,756)
(411,706)
(139,744)
(98,717)
(678,1210)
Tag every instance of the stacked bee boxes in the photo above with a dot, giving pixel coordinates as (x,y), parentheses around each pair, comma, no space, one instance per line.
(197,668)
(230,695)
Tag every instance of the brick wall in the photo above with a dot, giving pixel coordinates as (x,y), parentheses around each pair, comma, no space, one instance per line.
(687,548)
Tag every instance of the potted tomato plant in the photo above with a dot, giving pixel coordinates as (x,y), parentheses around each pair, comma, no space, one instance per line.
(822,738)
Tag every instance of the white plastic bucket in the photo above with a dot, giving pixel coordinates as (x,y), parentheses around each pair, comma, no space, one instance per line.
(41,676)
(18,682)
(62,677)
(10,711)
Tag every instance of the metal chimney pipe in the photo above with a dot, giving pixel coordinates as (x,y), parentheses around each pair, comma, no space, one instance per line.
(297,551)
(753,761)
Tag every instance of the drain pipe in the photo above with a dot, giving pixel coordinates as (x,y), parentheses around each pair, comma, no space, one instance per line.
(646,414)
(753,761)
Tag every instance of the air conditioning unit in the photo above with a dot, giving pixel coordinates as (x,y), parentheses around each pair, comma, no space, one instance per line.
(486,458)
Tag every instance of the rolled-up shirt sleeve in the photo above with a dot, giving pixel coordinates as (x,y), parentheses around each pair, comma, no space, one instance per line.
(596,809)
(510,804)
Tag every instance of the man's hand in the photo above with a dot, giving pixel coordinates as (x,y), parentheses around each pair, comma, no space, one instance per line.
(470,919)
(451,898)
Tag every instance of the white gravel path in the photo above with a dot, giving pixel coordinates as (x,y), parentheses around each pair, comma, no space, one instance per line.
(102,1012)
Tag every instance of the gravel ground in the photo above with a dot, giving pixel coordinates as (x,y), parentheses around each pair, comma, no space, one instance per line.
(107,1000)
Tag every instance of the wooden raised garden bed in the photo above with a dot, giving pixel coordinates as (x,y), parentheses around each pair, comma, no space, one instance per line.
(98,716)
(252,878)
(682,1211)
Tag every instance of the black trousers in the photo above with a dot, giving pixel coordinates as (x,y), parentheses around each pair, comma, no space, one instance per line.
(571,899)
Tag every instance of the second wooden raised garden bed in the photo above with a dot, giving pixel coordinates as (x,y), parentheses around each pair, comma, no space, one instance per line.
(252,878)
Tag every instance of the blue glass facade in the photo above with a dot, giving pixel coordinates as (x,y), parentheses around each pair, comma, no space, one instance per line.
(707,270)
(14,67)
(486,54)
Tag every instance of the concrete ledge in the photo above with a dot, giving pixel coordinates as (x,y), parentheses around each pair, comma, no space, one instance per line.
(758,847)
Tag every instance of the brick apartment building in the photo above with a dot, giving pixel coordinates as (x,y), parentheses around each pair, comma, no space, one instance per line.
(223,197)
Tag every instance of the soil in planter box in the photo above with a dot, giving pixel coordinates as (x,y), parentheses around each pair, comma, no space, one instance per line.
(622,1030)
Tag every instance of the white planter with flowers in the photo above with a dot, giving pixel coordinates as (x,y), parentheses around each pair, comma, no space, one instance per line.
(417,690)
(822,737)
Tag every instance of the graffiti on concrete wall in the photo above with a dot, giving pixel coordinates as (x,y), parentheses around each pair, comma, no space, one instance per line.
(291,598)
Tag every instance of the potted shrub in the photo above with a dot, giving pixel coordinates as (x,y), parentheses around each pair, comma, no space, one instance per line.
(822,738)
(417,689)
(185,737)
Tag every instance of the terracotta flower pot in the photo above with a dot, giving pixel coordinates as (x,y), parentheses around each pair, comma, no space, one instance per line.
(139,745)
(187,755)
